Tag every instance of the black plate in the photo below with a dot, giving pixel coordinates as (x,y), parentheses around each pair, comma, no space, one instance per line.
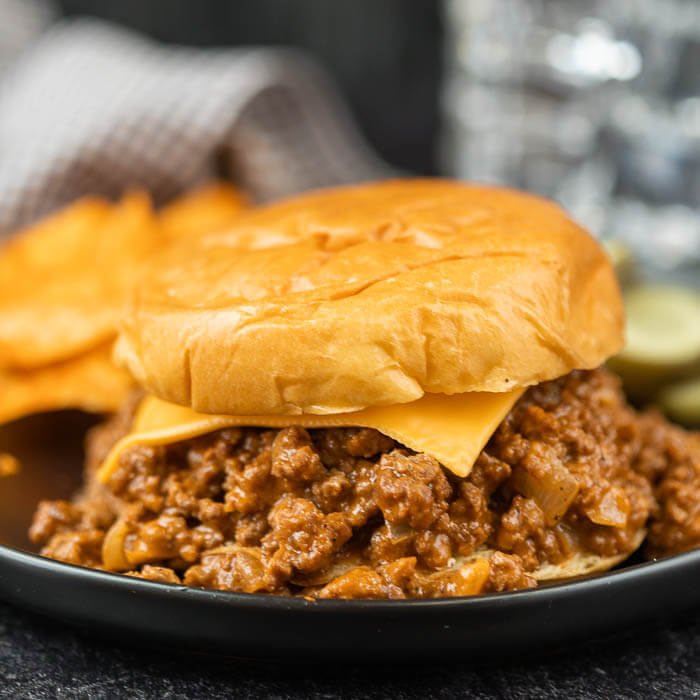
(265,627)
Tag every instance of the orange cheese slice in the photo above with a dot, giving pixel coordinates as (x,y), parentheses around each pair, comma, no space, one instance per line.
(453,429)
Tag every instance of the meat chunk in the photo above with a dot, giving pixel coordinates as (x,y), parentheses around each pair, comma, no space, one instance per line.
(411,489)
(156,573)
(303,537)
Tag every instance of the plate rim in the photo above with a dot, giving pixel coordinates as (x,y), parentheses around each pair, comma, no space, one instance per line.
(158,615)
(660,567)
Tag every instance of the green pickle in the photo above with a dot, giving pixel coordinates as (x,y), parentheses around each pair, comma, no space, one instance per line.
(663,339)
(682,401)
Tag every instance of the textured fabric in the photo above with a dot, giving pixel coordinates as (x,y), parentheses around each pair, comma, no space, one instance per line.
(93,108)
(41,658)
(21,22)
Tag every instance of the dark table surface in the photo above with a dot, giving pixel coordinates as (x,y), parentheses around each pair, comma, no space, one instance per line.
(40,658)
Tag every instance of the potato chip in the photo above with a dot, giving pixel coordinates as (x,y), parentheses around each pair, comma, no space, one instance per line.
(64,280)
(210,208)
(62,285)
(90,382)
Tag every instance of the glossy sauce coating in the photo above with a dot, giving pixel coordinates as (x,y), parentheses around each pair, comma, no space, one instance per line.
(348,513)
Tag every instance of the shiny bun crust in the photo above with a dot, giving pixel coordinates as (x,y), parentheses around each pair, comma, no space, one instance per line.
(372,295)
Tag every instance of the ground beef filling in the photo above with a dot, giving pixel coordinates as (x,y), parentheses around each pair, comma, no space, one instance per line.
(349,513)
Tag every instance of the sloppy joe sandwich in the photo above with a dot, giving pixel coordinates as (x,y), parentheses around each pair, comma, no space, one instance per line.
(389,390)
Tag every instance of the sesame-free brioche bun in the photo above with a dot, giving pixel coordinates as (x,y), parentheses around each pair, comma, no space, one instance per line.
(372,295)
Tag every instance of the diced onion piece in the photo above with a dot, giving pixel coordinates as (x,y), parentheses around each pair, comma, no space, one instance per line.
(613,509)
(153,542)
(399,531)
(247,566)
(113,547)
(468,579)
(340,566)
(553,493)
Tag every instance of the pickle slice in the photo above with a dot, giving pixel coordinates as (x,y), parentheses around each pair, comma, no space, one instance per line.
(682,401)
(663,338)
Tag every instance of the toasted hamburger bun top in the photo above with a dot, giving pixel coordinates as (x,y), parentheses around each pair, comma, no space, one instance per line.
(373,295)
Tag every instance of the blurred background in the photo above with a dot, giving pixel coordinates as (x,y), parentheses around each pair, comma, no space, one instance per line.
(386,56)
(595,103)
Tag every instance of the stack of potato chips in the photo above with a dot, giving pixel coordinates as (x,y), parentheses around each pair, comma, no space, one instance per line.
(63,282)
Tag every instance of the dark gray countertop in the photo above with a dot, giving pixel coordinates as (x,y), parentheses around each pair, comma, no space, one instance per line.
(40,658)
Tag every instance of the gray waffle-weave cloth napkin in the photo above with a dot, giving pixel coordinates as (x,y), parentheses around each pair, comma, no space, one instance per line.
(92,108)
